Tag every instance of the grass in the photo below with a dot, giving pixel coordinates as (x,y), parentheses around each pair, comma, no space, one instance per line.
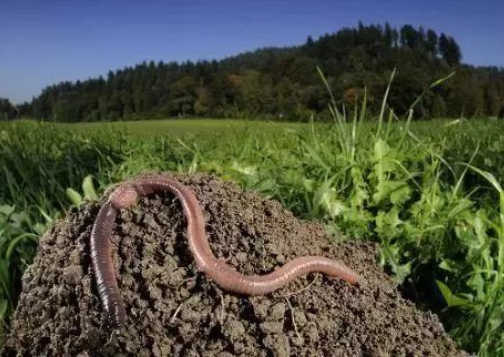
(157,128)
(430,193)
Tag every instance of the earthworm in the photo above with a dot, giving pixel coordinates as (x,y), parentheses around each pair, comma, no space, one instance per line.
(126,195)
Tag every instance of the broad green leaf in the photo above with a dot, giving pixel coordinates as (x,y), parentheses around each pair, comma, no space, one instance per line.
(18,218)
(449,266)
(6,210)
(74,196)
(477,282)
(40,228)
(390,255)
(381,149)
(388,223)
(462,206)
(401,194)
(244,168)
(450,298)
(88,189)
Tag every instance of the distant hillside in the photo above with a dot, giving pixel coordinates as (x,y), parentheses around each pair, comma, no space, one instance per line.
(283,83)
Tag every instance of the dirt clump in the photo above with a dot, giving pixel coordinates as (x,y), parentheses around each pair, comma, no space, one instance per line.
(173,310)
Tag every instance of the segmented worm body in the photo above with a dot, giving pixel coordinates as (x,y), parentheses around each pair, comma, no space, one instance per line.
(222,274)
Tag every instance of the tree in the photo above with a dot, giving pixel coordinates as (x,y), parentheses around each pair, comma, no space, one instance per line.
(438,107)
(184,95)
(390,36)
(409,37)
(204,101)
(7,110)
(309,43)
(250,92)
(449,50)
(493,100)
(432,43)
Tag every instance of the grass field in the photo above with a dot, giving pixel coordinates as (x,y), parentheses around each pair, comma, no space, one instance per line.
(430,193)
(184,127)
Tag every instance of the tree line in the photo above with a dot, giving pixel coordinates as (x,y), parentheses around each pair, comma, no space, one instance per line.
(284,84)
(8,110)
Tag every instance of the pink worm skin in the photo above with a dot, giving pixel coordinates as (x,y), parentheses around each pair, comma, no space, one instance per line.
(222,274)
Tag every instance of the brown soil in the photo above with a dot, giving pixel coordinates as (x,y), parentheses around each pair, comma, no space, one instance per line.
(175,311)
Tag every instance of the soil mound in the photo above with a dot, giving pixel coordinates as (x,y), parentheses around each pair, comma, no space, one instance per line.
(175,311)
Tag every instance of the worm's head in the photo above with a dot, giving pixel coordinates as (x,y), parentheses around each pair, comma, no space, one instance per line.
(123,196)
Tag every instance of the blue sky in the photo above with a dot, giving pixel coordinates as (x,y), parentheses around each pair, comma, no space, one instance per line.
(44,42)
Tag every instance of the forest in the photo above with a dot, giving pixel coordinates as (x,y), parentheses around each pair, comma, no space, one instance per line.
(284,83)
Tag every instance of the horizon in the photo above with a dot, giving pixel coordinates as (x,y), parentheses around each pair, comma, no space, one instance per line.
(49,43)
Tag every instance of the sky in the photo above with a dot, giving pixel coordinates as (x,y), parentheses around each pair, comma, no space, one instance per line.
(45,42)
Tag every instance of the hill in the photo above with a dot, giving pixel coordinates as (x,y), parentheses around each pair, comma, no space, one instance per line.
(283,83)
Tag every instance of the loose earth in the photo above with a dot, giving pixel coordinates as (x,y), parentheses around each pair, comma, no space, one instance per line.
(173,310)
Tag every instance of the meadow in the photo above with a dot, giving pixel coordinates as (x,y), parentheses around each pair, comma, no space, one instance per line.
(429,193)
